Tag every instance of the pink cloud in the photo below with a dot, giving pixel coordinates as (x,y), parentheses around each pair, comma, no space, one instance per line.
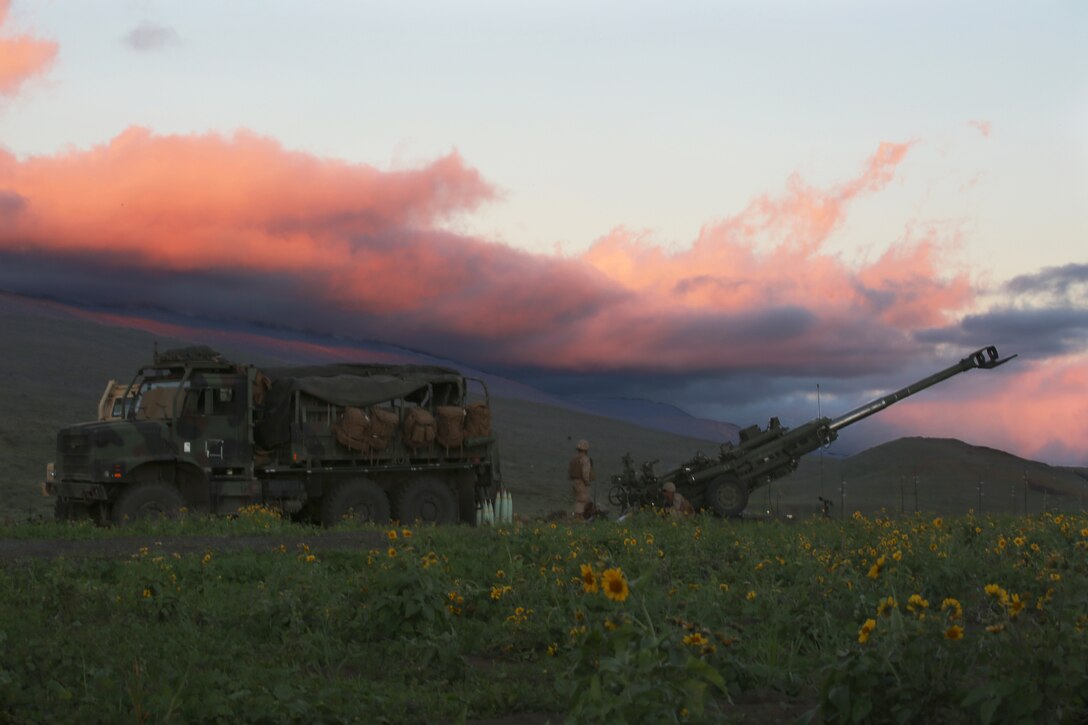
(1035,410)
(356,243)
(21,57)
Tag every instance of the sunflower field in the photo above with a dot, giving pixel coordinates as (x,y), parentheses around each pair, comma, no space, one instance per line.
(652,619)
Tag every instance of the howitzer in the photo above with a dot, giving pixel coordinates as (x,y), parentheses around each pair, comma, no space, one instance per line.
(723,484)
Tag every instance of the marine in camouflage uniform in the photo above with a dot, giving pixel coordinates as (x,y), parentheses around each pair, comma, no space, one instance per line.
(677,504)
(581,475)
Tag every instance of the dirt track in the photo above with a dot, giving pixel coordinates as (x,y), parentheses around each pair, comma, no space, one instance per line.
(13,549)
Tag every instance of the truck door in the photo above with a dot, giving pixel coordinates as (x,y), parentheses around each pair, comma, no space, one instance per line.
(213,425)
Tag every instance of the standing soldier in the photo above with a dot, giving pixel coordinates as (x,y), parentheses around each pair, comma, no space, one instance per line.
(676,503)
(581,474)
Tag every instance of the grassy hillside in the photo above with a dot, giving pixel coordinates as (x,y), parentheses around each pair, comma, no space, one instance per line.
(53,367)
(922,619)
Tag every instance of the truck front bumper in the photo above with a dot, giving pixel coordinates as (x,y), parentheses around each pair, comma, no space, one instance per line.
(81,490)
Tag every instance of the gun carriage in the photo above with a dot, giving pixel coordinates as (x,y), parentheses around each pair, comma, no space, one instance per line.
(723,484)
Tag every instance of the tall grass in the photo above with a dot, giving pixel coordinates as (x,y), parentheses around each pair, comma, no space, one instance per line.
(649,619)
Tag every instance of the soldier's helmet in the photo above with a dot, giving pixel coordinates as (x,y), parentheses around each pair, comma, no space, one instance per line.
(669,487)
(583,445)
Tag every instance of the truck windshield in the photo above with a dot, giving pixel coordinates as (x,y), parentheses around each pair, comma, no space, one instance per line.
(155,398)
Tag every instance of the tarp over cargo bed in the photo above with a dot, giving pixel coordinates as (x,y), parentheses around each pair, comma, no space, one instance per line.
(355,384)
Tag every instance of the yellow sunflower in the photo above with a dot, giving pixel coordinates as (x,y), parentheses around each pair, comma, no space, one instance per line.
(614,584)
(865,630)
(589,579)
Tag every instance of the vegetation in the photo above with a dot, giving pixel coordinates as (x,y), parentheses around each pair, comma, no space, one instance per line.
(651,619)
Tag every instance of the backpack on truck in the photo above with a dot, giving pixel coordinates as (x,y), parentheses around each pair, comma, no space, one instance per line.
(366,430)
(477,420)
(353,429)
(419,428)
(383,427)
(450,421)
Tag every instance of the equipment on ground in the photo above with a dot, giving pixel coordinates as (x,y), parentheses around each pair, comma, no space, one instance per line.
(723,484)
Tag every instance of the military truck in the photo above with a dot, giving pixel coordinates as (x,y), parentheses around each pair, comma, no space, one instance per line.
(325,442)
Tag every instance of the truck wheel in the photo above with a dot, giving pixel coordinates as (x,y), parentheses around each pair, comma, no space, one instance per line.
(64,510)
(428,500)
(726,496)
(145,501)
(361,500)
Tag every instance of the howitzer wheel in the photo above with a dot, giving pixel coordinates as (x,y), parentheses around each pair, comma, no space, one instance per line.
(726,496)
(617,496)
(360,499)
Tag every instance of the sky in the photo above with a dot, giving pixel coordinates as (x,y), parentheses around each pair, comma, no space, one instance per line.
(716,205)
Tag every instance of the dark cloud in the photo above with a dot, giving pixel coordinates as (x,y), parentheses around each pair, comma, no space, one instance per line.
(1050,280)
(149,37)
(1037,333)
(1043,314)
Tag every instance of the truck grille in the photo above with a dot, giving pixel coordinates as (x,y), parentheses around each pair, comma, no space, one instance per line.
(75,455)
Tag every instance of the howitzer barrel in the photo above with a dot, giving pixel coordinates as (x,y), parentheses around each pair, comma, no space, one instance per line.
(985,358)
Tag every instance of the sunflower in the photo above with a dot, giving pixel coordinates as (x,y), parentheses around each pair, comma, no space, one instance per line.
(614,584)
(589,579)
(954,632)
(865,630)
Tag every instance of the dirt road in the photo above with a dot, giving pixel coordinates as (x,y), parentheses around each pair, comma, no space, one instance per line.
(15,549)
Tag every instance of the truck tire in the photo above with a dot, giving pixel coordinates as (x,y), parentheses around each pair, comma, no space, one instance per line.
(428,500)
(361,500)
(726,496)
(146,500)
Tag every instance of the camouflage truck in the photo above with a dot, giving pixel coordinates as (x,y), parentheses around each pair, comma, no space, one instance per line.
(322,443)
(111,406)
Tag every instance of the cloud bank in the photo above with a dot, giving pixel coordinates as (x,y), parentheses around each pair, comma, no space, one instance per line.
(22,57)
(238,228)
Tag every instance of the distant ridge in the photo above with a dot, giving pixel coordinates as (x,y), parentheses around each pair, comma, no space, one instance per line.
(947,473)
(662,416)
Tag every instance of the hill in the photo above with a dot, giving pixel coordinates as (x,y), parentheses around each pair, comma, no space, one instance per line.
(927,474)
(54,363)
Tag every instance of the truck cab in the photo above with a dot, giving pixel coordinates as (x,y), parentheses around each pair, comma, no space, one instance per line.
(185,434)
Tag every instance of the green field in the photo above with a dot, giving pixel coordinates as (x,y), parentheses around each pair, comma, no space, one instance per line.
(648,620)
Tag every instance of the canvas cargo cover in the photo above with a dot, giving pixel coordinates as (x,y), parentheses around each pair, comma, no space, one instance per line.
(347,384)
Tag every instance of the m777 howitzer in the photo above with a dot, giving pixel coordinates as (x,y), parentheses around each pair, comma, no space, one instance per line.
(722,485)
